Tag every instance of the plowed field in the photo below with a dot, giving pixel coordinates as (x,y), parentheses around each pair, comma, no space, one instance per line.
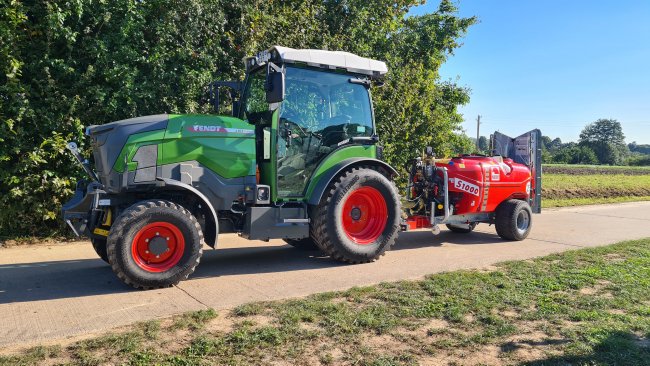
(595,170)
(567,185)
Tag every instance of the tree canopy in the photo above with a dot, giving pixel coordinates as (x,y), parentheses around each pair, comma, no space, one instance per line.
(69,64)
(605,137)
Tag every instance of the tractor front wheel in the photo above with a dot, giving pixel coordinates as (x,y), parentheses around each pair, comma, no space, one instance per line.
(358,217)
(513,220)
(154,244)
(100,248)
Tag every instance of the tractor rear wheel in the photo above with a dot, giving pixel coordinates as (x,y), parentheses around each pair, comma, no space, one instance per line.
(358,217)
(302,244)
(100,248)
(513,220)
(462,229)
(154,244)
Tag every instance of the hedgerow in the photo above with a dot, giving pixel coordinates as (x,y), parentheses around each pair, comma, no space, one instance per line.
(69,64)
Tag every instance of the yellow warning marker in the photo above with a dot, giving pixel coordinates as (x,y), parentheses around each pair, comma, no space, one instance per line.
(100,231)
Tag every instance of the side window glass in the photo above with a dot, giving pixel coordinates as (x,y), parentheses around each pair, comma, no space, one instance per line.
(256,104)
(350,103)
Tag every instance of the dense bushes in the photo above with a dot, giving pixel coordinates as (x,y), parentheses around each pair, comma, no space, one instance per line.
(639,160)
(69,64)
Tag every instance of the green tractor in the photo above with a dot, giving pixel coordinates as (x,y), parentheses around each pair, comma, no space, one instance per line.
(298,160)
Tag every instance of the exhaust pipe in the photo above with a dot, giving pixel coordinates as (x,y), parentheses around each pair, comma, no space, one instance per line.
(72,146)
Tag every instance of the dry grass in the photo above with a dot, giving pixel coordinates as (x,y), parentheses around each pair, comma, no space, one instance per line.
(587,307)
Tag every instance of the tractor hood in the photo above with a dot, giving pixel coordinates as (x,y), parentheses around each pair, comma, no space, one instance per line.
(108,140)
(138,151)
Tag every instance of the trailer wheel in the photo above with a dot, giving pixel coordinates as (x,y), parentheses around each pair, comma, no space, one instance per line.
(513,220)
(154,244)
(462,229)
(357,220)
(302,244)
(100,248)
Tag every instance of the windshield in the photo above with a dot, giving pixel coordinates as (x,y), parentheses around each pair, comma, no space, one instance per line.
(326,104)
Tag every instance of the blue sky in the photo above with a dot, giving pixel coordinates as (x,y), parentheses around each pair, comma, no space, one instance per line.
(554,65)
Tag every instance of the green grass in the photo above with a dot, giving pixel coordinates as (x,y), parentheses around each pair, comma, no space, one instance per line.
(600,182)
(571,190)
(584,307)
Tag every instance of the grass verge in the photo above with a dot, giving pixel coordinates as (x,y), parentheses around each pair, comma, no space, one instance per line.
(584,307)
(581,201)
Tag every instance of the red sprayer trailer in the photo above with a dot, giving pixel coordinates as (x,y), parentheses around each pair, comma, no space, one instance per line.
(503,189)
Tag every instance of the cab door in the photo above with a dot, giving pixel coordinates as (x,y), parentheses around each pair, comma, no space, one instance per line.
(321,111)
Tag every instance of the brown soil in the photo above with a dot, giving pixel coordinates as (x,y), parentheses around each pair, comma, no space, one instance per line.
(556,193)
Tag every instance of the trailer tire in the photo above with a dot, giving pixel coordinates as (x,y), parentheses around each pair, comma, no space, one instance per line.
(302,244)
(358,217)
(154,244)
(99,244)
(513,220)
(462,229)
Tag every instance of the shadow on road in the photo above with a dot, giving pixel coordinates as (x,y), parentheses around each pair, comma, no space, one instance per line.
(39,281)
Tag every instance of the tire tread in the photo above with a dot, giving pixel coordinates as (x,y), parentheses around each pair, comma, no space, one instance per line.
(320,222)
(118,231)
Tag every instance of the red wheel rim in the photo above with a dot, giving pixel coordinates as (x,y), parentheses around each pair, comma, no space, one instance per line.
(364,215)
(158,247)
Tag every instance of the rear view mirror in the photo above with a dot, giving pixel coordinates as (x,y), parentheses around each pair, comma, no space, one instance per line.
(274,84)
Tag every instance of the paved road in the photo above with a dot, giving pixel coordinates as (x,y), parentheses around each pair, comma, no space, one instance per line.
(57,291)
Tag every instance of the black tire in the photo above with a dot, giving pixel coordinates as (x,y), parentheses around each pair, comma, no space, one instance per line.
(513,220)
(329,230)
(302,244)
(140,221)
(462,229)
(100,248)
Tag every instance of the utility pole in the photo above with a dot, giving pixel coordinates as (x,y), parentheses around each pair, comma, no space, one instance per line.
(478,134)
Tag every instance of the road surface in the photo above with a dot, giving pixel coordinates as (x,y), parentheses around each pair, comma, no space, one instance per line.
(51,292)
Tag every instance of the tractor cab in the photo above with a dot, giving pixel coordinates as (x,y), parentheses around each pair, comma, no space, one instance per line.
(306,105)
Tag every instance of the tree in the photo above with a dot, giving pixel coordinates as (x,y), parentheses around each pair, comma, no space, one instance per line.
(555,144)
(639,148)
(67,64)
(575,154)
(483,145)
(605,137)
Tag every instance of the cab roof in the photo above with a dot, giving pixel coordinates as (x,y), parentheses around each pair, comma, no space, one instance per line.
(330,60)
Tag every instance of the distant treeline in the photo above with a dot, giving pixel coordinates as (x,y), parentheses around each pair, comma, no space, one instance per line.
(641,149)
(601,142)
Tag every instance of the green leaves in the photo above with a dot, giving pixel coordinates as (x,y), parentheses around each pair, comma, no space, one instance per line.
(65,65)
(605,137)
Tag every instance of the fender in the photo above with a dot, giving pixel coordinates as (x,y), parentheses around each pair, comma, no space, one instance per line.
(204,201)
(322,184)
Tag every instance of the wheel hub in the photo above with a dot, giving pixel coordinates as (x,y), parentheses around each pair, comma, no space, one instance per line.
(158,245)
(355,213)
(365,215)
